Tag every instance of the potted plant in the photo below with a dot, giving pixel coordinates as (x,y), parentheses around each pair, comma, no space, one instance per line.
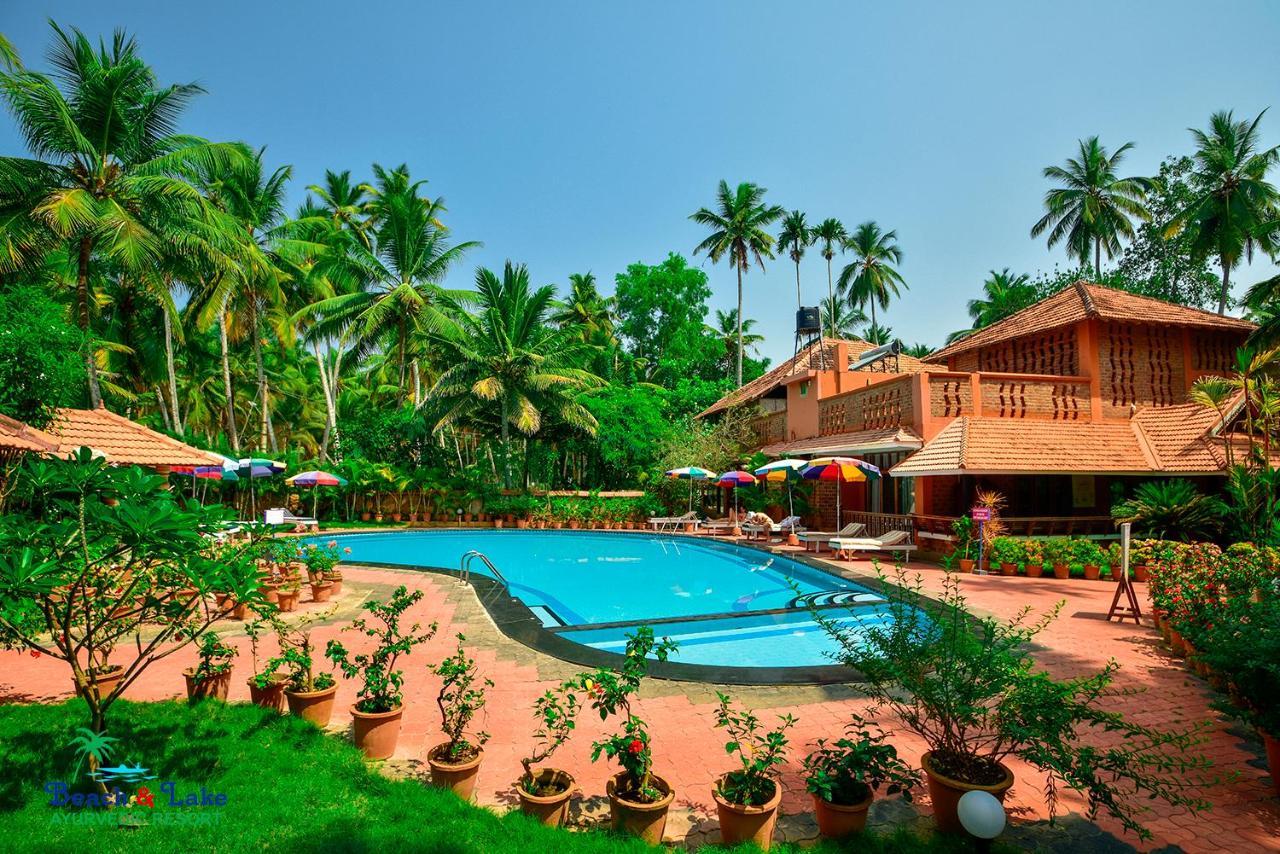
(845,777)
(309,694)
(544,792)
(266,687)
(287,596)
(638,798)
(1091,557)
(1034,558)
(211,677)
(1058,552)
(456,762)
(1008,553)
(962,528)
(970,689)
(380,702)
(747,798)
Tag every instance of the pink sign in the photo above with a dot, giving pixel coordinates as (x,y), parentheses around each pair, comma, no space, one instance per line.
(980,514)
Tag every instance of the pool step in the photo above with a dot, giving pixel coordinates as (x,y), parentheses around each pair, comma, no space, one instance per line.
(695,618)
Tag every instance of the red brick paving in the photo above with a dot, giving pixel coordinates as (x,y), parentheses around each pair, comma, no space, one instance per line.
(689,750)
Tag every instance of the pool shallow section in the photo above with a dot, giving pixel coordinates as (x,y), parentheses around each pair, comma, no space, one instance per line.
(731,608)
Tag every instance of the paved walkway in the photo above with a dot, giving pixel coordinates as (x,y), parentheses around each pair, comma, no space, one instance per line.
(689,749)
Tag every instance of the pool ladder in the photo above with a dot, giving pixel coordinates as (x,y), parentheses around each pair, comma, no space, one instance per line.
(464,569)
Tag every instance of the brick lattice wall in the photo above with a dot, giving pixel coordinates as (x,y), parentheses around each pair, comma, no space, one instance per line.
(1213,353)
(1034,399)
(1140,365)
(950,397)
(771,428)
(1053,352)
(876,407)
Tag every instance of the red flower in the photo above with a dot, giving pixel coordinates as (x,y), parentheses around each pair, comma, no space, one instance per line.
(636,746)
(145,798)
(35,653)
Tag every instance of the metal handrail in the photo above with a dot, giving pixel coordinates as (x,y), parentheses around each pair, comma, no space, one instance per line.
(464,568)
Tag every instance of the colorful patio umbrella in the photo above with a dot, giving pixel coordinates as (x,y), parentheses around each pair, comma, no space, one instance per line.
(314,479)
(691,473)
(841,470)
(734,479)
(780,471)
(252,468)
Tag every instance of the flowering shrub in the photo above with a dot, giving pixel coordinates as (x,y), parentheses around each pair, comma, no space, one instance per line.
(610,693)
(856,766)
(758,751)
(557,713)
(320,559)
(382,681)
(459,700)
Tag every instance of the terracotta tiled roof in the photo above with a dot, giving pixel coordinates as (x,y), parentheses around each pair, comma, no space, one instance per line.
(16,436)
(122,441)
(861,441)
(810,358)
(1158,439)
(1082,300)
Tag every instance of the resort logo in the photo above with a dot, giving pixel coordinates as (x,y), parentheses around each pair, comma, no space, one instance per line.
(126,785)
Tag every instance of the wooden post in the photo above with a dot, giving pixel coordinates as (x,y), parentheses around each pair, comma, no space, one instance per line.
(1130,607)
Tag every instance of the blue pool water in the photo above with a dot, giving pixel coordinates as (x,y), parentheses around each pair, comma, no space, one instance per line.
(581,579)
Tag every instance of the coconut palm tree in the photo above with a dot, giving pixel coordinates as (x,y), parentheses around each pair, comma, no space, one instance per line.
(795,237)
(108,170)
(840,319)
(397,295)
(346,203)
(508,365)
(738,232)
(1235,207)
(872,276)
(727,329)
(832,235)
(876,334)
(1094,208)
(1004,293)
(585,310)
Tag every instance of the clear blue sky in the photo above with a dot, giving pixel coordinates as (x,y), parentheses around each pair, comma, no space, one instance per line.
(580,136)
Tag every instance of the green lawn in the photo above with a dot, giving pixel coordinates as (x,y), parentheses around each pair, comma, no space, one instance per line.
(289,787)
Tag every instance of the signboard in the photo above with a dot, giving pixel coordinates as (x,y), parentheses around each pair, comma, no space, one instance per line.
(980,514)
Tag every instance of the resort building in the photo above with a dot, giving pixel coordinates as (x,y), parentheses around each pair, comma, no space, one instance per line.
(110,436)
(1052,407)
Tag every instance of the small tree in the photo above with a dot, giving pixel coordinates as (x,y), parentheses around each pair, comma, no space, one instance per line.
(459,700)
(382,682)
(557,713)
(213,657)
(610,692)
(296,653)
(92,556)
(758,752)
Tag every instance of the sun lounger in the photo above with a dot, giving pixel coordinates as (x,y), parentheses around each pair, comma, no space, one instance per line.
(786,526)
(721,526)
(286,517)
(674,523)
(893,541)
(817,538)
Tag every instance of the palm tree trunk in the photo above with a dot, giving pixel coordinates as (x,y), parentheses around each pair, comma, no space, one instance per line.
(739,326)
(1097,257)
(325,389)
(232,433)
(173,376)
(268,433)
(798,305)
(506,448)
(873,312)
(82,300)
(831,302)
(1226,284)
(164,408)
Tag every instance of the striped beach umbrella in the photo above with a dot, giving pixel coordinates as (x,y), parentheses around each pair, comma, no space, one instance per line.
(841,470)
(314,479)
(691,473)
(734,479)
(783,471)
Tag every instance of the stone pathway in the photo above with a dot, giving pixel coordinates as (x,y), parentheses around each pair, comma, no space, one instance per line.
(689,749)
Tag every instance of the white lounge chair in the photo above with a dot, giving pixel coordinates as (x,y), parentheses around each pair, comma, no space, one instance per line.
(817,538)
(893,541)
(287,517)
(786,526)
(674,523)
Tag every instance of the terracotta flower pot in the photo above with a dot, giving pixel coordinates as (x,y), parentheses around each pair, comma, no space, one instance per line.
(646,821)
(214,687)
(740,823)
(459,778)
(522,524)
(1008,569)
(498,523)
(240,612)
(336,579)
(271,593)
(1177,642)
(322,591)
(836,821)
(1035,570)
(270,697)
(366,516)
(1272,746)
(945,793)
(314,706)
(1140,572)
(287,600)
(1061,570)
(106,681)
(376,733)
(1091,572)
(551,809)
(966,565)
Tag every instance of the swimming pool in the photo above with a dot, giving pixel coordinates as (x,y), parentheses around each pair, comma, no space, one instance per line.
(726,605)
